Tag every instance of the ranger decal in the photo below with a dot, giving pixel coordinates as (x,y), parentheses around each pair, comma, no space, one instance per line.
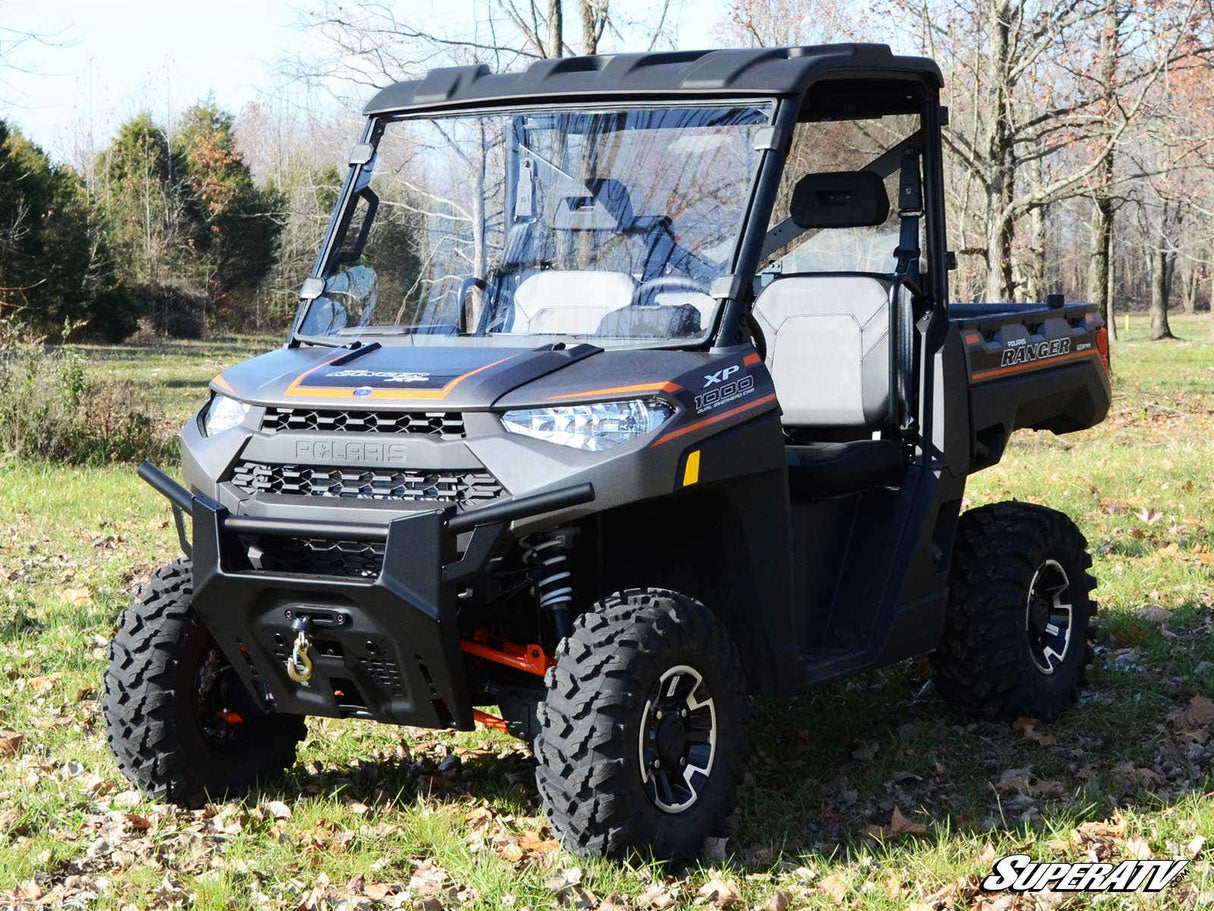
(1021,352)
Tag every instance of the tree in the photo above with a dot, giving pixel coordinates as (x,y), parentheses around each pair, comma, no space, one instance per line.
(51,261)
(142,194)
(781,23)
(237,223)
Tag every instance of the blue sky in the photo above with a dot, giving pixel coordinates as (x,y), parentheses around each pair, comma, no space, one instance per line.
(109,59)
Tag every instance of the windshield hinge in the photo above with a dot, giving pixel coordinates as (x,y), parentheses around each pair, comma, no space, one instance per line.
(312,288)
(361,153)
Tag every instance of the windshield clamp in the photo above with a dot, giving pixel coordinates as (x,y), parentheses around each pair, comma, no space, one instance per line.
(727,287)
(361,153)
(769,139)
(312,288)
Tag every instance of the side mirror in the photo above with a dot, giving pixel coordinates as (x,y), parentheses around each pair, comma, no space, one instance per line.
(839,199)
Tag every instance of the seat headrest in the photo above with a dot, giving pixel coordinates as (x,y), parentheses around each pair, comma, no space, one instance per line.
(839,199)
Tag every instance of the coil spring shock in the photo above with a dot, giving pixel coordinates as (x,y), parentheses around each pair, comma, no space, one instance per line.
(547,556)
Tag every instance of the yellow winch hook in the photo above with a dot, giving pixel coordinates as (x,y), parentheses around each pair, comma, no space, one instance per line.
(299,665)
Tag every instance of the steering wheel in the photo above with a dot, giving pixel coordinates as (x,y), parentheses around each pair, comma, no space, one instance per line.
(647,291)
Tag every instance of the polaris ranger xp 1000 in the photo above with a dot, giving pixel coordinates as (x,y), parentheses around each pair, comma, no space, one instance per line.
(621,387)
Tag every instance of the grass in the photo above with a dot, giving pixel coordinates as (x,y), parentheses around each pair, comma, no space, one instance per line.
(373,816)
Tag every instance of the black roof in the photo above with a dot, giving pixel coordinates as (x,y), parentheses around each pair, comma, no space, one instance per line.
(670,74)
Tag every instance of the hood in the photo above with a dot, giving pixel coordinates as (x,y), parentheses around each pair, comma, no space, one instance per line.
(387,377)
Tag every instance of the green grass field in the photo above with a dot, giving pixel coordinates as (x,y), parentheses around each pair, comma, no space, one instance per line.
(373,816)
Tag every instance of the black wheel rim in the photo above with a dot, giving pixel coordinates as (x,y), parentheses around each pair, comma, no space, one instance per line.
(678,739)
(220,705)
(1049,613)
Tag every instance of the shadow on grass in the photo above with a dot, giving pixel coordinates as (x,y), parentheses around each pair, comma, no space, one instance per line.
(827,769)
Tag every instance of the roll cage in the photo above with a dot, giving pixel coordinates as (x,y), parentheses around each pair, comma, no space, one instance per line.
(804,84)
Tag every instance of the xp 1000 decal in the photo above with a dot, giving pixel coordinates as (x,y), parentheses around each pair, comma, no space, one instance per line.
(727,384)
(727,392)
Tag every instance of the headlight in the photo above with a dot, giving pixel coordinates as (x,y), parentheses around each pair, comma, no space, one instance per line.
(223,414)
(593,427)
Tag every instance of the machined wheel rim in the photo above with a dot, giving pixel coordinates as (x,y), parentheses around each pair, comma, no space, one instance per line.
(678,739)
(1048,616)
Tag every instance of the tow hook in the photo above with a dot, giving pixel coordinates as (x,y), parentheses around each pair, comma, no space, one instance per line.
(299,665)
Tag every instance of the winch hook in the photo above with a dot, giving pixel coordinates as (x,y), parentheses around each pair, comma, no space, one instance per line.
(299,665)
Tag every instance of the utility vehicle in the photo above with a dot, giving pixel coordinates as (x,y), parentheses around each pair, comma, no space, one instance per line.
(621,387)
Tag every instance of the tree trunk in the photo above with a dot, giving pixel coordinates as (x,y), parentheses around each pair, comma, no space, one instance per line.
(1001,151)
(1100,267)
(1159,293)
(1190,288)
(1034,271)
(590,32)
(556,29)
(999,280)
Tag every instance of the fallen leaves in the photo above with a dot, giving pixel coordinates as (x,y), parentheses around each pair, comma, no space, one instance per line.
(834,887)
(658,896)
(276,809)
(899,824)
(10,743)
(1025,782)
(721,894)
(78,597)
(1028,728)
(43,683)
(1138,848)
(1200,712)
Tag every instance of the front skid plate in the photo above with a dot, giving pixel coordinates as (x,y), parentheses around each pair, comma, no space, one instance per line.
(386,649)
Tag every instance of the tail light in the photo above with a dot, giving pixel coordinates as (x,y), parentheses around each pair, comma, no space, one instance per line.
(1102,345)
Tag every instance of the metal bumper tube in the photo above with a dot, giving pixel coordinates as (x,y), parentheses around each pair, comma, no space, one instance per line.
(386,648)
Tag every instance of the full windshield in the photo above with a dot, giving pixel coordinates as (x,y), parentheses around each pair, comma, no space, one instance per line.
(608,225)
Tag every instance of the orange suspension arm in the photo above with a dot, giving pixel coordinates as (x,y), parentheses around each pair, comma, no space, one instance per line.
(489,721)
(530,659)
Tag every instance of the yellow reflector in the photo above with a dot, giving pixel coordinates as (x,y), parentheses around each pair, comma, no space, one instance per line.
(691,472)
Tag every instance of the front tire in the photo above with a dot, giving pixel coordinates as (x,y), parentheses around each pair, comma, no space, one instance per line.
(178,720)
(642,728)
(1016,632)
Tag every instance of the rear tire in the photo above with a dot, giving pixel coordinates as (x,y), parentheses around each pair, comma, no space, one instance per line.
(1016,632)
(178,720)
(642,728)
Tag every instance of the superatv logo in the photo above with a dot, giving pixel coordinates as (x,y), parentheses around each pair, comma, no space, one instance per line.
(1022,352)
(388,376)
(1019,873)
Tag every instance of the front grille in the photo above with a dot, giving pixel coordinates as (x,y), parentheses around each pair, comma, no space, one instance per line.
(463,488)
(448,425)
(320,557)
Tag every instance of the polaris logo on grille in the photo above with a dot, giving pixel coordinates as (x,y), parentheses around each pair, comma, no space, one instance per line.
(1021,353)
(354,452)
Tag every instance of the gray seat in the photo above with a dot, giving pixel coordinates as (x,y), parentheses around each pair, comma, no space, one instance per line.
(828,348)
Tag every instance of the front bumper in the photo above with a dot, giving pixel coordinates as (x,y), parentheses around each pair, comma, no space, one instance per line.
(386,648)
